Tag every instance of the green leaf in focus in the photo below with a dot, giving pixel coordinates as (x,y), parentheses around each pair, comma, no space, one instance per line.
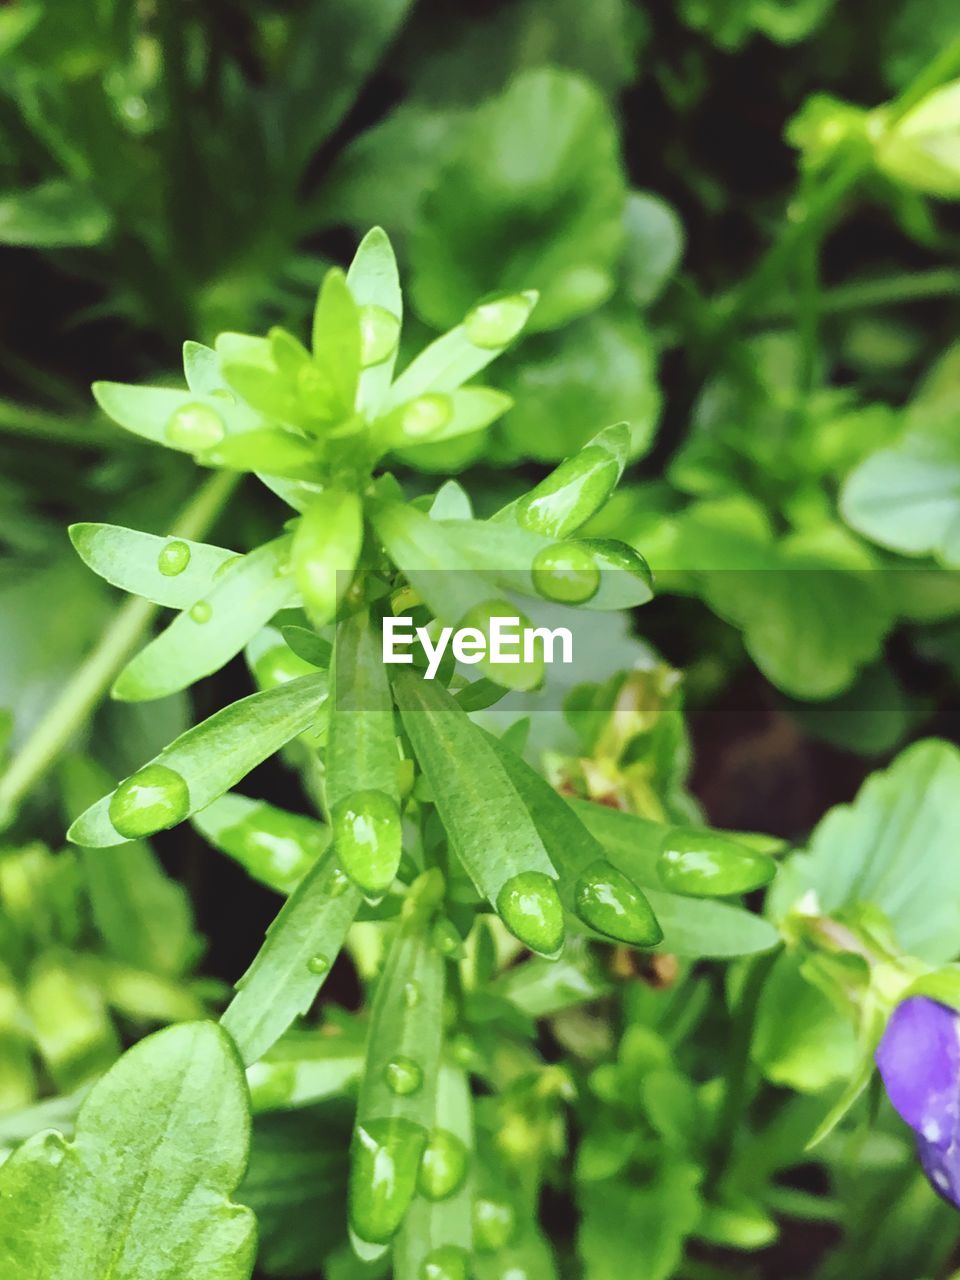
(292,965)
(486,820)
(202,764)
(142,1192)
(174,572)
(203,638)
(274,846)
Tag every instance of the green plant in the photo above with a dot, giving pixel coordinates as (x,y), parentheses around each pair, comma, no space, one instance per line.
(542,995)
(429,820)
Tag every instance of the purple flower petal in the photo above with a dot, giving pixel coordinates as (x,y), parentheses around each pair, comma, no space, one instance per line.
(919,1061)
(941,1164)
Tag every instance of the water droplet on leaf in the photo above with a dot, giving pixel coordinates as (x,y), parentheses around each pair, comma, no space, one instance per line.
(379,334)
(318,965)
(514,628)
(403,1075)
(444,1165)
(493,324)
(201,612)
(426,415)
(173,558)
(278,665)
(494,1223)
(367,832)
(702,863)
(608,902)
(448,1262)
(384,1162)
(609,555)
(530,907)
(150,800)
(565,572)
(195,427)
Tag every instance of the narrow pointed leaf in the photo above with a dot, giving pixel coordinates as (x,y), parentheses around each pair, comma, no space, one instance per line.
(626,837)
(274,846)
(337,340)
(214,629)
(375,283)
(580,859)
(173,572)
(271,450)
(284,978)
(397,1095)
(452,359)
(486,820)
(439,1227)
(326,546)
(154,414)
(457,414)
(576,489)
(208,760)
(506,553)
(362,758)
(691,927)
(304,1067)
(440,574)
(201,368)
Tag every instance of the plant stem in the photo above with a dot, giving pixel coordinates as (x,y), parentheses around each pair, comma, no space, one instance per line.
(943,67)
(56,428)
(885,291)
(83,692)
(737,1073)
(814,214)
(809,223)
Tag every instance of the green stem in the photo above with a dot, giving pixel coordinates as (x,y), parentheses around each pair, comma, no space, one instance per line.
(40,424)
(81,695)
(938,71)
(813,217)
(809,223)
(886,291)
(736,1087)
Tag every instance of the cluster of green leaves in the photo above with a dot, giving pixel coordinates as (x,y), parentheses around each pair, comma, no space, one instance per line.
(563,990)
(784,501)
(430,820)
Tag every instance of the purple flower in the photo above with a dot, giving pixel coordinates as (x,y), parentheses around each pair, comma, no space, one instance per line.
(919,1061)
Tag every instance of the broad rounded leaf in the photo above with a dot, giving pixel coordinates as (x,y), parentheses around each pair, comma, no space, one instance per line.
(532,199)
(142,1192)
